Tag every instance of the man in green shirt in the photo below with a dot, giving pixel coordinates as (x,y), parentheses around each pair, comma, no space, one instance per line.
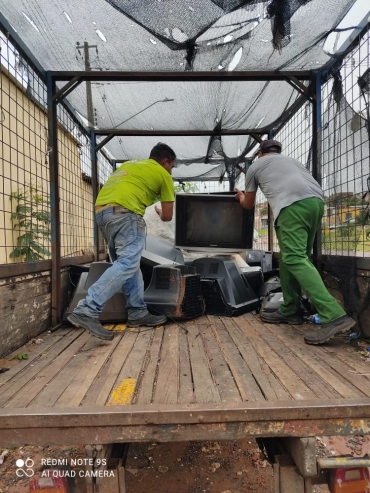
(119,209)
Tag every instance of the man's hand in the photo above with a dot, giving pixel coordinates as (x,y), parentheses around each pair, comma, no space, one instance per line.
(247,199)
(166,212)
(239,196)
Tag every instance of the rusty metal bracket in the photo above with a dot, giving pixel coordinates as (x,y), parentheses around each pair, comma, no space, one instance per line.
(303,452)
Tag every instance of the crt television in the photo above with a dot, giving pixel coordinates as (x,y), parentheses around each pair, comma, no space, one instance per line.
(213,223)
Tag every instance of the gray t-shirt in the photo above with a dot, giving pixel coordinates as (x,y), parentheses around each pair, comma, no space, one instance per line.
(283,180)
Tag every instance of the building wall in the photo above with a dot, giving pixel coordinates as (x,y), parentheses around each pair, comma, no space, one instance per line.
(25,301)
(24,161)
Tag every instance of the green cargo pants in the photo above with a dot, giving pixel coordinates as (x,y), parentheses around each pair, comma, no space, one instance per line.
(295,228)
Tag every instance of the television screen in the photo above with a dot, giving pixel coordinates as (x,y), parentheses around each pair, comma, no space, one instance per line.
(212,222)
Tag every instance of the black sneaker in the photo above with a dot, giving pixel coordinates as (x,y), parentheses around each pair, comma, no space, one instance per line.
(92,325)
(277,317)
(149,320)
(326,331)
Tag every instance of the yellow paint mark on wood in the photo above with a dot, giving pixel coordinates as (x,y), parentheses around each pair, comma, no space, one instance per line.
(120,327)
(123,393)
(108,327)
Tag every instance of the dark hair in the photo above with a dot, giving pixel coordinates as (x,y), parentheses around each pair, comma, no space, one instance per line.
(162,151)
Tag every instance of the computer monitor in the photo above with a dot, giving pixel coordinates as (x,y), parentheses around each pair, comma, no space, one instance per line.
(212,223)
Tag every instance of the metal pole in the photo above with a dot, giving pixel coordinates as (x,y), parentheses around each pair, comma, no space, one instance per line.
(90,111)
(56,294)
(317,157)
(95,189)
(339,462)
(270,217)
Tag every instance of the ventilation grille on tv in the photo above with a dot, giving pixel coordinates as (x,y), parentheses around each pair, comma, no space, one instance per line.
(193,300)
(163,281)
(176,292)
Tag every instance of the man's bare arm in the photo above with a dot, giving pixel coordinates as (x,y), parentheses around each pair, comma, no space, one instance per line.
(166,211)
(246,199)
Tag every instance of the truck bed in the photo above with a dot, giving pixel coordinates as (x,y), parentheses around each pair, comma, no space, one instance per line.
(210,378)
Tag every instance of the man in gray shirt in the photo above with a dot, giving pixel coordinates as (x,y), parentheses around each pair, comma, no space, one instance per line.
(297,203)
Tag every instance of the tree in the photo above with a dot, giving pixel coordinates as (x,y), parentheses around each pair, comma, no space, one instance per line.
(32,215)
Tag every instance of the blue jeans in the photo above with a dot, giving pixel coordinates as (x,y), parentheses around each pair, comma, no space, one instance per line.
(125,235)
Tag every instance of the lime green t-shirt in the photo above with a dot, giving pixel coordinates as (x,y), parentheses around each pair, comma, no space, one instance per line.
(136,185)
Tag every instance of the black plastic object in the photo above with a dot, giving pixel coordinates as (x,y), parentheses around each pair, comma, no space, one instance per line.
(175,291)
(271,286)
(114,310)
(225,290)
(75,272)
(259,258)
(253,276)
(158,252)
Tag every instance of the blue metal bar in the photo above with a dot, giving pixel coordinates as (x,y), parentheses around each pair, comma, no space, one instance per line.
(95,189)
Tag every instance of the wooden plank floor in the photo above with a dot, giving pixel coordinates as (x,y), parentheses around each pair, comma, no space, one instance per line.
(207,360)
(210,361)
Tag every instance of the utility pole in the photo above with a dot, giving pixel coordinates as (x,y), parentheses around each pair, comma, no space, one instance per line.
(93,153)
(89,101)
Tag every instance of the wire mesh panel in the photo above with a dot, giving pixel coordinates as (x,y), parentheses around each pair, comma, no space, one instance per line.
(25,219)
(75,188)
(345,166)
(296,135)
(24,207)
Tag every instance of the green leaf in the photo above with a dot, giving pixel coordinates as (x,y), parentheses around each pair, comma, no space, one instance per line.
(25,239)
(32,256)
(20,356)
(17,252)
(43,216)
(40,249)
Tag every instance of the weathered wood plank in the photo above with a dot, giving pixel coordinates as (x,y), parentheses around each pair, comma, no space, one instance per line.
(186,385)
(204,385)
(22,378)
(96,357)
(130,374)
(100,394)
(22,321)
(167,381)
(226,385)
(311,357)
(24,291)
(245,380)
(145,391)
(278,337)
(33,351)
(180,433)
(352,361)
(46,375)
(259,370)
(287,377)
